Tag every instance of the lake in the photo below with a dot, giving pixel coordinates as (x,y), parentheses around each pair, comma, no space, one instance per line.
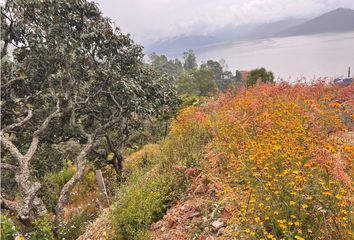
(314,56)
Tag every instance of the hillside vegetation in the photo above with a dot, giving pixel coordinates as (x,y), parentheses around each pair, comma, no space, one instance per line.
(284,154)
(186,150)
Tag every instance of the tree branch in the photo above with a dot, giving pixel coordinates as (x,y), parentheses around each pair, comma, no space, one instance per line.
(34,144)
(18,124)
(9,146)
(80,163)
(9,167)
(10,205)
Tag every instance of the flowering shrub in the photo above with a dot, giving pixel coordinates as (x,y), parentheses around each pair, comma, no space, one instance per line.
(289,159)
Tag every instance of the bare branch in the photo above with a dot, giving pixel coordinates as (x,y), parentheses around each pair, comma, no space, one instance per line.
(80,163)
(10,205)
(18,124)
(34,144)
(9,167)
(77,126)
(8,145)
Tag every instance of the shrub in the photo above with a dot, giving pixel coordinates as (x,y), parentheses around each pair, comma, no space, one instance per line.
(287,174)
(53,183)
(288,170)
(144,202)
(76,225)
(42,229)
(8,229)
(153,182)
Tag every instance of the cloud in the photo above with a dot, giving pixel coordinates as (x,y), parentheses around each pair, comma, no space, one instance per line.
(149,20)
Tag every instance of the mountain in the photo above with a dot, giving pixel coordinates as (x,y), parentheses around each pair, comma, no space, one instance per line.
(339,20)
(176,45)
(179,44)
(270,29)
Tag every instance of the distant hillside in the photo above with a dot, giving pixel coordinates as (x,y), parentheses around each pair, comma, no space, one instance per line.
(339,20)
(270,29)
(176,45)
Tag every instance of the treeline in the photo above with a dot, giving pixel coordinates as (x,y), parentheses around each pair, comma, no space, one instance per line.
(192,79)
(207,78)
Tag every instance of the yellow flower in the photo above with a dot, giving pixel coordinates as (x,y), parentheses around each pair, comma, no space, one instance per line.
(338,196)
(304,206)
(299,238)
(327,193)
(270,236)
(344,211)
(20,237)
(292,203)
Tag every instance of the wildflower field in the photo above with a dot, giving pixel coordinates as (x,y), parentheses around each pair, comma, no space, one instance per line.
(286,157)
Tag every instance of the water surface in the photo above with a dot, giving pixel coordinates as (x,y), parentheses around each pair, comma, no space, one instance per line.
(314,56)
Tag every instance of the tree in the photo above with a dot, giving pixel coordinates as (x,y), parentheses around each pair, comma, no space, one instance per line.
(190,60)
(71,76)
(197,82)
(222,78)
(171,67)
(260,74)
(238,76)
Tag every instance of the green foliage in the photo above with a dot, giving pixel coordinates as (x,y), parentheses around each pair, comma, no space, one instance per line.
(53,183)
(143,201)
(150,188)
(172,67)
(197,82)
(190,100)
(148,191)
(76,225)
(42,229)
(190,60)
(238,76)
(8,230)
(222,78)
(260,74)
(111,92)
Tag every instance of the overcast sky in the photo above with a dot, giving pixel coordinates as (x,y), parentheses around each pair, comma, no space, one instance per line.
(149,20)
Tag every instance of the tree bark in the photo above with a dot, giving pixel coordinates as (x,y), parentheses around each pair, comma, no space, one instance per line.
(117,160)
(65,192)
(26,187)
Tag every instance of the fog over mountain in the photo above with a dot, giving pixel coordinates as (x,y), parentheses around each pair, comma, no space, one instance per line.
(338,20)
(149,21)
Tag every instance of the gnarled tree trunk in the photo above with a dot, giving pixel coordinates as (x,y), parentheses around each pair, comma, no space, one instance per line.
(65,192)
(28,189)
